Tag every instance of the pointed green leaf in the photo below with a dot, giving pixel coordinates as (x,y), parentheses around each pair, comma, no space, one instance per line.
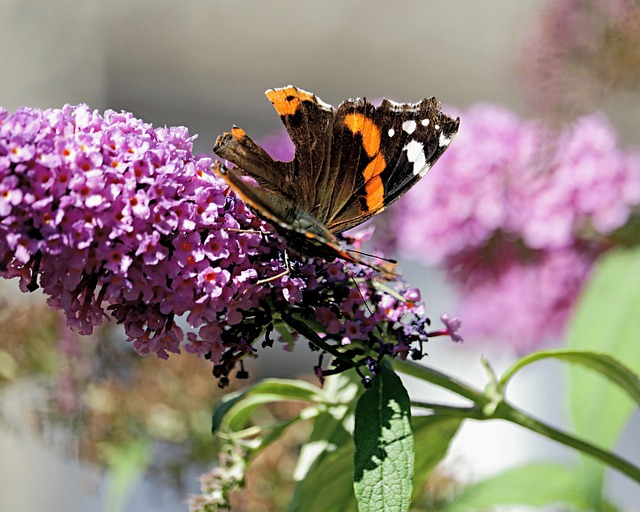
(384,457)
(235,409)
(607,320)
(432,437)
(533,485)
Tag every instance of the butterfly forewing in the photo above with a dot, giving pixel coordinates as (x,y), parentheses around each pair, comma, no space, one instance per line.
(411,138)
(308,121)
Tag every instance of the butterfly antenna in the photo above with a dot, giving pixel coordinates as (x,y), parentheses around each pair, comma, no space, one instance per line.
(373,256)
(366,305)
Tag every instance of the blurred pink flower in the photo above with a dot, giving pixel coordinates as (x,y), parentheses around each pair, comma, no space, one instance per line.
(521,180)
(516,213)
(527,304)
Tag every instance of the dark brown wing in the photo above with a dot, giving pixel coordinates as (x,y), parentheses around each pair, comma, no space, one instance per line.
(300,229)
(308,121)
(379,153)
(237,147)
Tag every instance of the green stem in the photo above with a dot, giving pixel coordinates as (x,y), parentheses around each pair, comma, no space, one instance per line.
(442,380)
(448,410)
(507,412)
(310,334)
(503,410)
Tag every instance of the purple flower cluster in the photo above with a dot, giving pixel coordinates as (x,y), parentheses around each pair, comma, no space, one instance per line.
(517,212)
(526,302)
(108,210)
(106,213)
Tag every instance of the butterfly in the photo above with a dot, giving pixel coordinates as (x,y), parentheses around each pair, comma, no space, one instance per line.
(350,163)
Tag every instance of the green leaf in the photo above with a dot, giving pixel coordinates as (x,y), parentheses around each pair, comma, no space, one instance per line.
(325,465)
(333,427)
(432,437)
(235,409)
(329,487)
(533,485)
(384,451)
(600,362)
(607,319)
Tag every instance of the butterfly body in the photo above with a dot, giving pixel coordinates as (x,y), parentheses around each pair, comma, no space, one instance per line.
(350,163)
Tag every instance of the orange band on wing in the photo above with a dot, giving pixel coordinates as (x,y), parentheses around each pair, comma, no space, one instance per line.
(374,168)
(375,194)
(374,188)
(286,100)
(361,124)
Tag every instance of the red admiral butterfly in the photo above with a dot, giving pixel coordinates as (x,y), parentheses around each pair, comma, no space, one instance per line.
(349,164)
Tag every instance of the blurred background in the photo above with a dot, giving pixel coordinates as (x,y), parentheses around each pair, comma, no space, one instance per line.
(205,65)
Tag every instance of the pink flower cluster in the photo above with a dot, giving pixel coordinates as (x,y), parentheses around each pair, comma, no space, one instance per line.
(108,212)
(517,213)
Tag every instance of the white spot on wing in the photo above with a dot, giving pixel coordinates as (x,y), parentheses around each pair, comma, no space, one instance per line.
(391,132)
(444,141)
(415,155)
(409,126)
(424,122)
(437,126)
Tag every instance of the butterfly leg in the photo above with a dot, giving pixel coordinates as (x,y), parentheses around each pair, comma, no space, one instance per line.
(286,271)
(249,231)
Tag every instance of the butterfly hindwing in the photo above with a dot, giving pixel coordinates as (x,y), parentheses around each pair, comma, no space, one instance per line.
(237,147)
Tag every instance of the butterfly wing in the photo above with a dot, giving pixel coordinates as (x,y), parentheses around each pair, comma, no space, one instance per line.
(273,196)
(237,147)
(395,145)
(308,121)
(312,238)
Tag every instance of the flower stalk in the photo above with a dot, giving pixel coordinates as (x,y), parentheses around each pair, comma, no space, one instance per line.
(505,411)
